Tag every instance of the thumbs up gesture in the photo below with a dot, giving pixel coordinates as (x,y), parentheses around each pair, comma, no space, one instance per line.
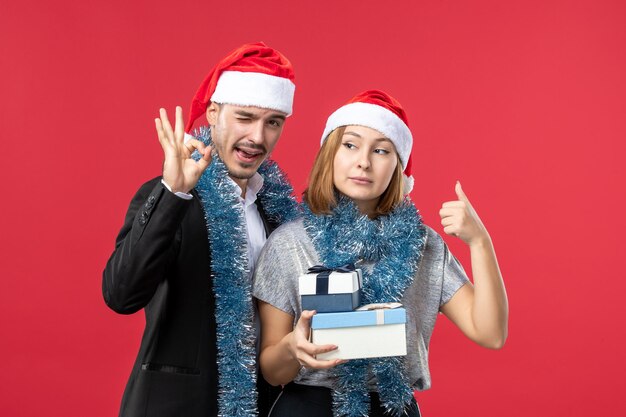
(460,219)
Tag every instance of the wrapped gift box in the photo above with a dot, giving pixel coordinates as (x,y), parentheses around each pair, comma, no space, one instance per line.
(328,291)
(373,331)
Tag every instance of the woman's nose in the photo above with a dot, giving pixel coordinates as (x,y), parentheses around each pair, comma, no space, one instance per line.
(364,161)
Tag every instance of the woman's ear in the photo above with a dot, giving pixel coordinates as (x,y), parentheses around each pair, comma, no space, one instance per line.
(212,113)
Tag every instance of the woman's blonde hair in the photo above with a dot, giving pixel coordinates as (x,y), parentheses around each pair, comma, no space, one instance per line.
(321,194)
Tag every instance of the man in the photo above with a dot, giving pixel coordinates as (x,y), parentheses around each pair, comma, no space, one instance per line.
(190,240)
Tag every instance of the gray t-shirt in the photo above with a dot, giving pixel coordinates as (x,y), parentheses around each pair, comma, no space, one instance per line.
(288,253)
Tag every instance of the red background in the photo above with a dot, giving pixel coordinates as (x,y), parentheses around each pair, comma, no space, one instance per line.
(523,101)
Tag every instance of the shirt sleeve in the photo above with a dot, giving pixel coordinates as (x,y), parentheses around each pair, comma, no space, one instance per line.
(454,276)
(180,194)
(276,274)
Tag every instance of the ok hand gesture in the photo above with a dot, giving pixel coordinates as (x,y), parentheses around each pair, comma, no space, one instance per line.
(180,171)
(460,219)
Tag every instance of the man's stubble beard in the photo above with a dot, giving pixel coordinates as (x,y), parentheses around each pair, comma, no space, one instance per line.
(218,148)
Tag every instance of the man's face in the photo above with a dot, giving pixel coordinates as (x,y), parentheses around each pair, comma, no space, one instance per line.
(244,136)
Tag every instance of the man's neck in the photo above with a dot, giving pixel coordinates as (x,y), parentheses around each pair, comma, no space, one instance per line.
(242,183)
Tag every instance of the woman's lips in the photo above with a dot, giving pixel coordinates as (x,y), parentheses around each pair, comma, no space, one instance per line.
(361,180)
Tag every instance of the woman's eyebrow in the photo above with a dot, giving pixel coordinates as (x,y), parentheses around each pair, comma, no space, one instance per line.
(380,139)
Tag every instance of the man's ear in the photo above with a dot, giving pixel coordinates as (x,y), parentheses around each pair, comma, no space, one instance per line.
(212,113)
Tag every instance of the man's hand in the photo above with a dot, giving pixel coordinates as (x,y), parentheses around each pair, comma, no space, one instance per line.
(180,171)
(460,219)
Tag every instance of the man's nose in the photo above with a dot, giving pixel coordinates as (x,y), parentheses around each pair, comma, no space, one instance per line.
(257,132)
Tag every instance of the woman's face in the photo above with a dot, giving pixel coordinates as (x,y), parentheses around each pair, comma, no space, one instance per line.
(363,166)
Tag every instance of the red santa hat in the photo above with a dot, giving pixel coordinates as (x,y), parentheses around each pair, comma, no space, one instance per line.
(251,75)
(379,111)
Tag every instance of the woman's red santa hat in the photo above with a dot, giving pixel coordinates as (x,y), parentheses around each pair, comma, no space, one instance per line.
(379,111)
(252,75)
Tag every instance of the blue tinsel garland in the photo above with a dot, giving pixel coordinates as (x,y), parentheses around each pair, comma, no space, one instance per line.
(230,274)
(394,243)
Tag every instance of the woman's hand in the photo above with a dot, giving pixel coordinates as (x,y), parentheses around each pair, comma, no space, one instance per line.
(304,351)
(285,349)
(459,219)
(481,310)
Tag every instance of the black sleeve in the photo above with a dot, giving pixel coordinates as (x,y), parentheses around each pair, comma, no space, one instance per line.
(144,248)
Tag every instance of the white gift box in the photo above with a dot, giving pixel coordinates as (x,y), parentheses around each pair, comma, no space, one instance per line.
(327,291)
(373,331)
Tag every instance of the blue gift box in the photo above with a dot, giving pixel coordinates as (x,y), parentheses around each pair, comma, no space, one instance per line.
(325,290)
(374,332)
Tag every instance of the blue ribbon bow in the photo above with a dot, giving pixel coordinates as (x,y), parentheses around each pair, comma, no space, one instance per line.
(317,269)
(323,272)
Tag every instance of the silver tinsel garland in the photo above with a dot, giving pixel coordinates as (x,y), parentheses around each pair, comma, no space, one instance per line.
(230,274)
(394,244)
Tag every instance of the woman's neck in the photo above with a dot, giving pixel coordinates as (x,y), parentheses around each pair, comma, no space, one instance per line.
(367,208)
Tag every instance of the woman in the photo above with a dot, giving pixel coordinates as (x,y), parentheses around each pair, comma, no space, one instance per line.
(355,211)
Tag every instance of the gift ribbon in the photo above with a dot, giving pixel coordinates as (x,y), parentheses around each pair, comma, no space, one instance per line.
(380,317)
(379,308)
(376,306)
(323,274)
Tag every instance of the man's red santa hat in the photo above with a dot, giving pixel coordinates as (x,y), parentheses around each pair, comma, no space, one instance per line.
(252,75)
(379,111)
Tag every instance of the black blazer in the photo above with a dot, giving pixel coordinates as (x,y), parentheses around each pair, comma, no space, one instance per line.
(162,264)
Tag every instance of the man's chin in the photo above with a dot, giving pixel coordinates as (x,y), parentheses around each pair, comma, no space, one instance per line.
(243,173)
(242,170)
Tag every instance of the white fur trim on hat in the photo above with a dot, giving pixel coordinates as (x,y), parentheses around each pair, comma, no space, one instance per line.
(255,89)
(377,118)
(408,183)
